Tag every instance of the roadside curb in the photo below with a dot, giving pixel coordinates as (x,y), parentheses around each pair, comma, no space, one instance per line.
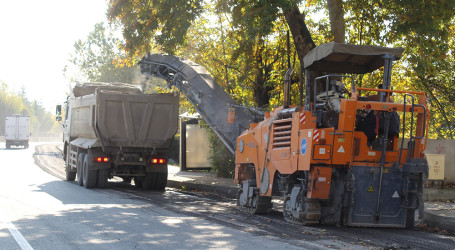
(435,194)
(229,192)
(433,219)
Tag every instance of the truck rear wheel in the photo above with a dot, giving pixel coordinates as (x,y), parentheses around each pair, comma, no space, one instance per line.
(79,165)
(161,181)
(70,176)
(88,175)
(149,181)
(138,182)
(127,179)
(102,177)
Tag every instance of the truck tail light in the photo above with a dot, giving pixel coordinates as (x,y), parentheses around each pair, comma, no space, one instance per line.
(158,160)
(101,159)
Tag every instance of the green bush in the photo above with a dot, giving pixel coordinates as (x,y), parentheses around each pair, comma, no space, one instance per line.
(174,150)
(221,159)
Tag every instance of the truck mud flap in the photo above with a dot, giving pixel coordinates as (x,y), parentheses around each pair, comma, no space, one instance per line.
(363,183)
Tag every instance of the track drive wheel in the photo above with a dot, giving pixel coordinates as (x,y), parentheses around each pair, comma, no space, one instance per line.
(239,193)
(256,205)
(304,212)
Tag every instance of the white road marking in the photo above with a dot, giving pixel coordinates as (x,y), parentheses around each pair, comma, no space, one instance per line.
(23,243)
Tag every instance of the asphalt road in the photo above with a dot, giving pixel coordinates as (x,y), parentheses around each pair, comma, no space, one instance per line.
(39,210)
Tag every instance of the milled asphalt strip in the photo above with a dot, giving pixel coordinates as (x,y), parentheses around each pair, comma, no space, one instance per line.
(23,243)
(247,227)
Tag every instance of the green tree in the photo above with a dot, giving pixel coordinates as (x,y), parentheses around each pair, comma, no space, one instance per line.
(41,121)
(98,58)
(243,45)
(247,69)
(9,104)
(248,30)
(426,29)
(166,24)
(165,21)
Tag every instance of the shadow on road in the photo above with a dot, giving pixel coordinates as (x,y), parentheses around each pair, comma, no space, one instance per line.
(104,208)
(122,225)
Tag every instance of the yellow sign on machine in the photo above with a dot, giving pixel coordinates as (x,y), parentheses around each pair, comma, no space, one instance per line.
(436,163)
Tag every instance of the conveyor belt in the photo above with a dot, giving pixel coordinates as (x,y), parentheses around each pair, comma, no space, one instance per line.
(208,98)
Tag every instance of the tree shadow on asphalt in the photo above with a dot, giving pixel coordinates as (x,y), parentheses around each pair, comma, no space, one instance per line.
(94,219)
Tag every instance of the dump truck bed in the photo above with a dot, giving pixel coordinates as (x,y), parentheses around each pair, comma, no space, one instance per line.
(134,120)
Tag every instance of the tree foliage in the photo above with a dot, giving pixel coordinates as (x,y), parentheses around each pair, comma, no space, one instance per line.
(41,121)
(98,58)
(426,29)
(165,21)
(242,43)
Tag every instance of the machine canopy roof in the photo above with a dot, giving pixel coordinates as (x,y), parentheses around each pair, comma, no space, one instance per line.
(348,58)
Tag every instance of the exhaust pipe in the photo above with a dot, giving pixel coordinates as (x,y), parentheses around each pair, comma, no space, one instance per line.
(287,88)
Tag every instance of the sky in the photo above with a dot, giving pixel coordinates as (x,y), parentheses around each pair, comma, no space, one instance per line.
(36,40)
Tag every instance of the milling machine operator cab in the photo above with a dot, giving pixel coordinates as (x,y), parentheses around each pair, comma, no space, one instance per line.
(376,153)
(324,93)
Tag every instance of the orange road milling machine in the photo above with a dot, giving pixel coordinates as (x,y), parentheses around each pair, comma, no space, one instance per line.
(350,158)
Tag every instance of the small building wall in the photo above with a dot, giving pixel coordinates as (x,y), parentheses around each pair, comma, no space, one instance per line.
(446,147)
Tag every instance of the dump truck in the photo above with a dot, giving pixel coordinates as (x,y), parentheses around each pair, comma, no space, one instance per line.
(113,129)
(348,155)
(17,130)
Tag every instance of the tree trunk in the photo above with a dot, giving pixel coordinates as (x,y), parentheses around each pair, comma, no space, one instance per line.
(261,91)
(337,23)
(302,37)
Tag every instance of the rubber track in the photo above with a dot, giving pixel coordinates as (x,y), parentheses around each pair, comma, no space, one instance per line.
(264,205)
(314,212)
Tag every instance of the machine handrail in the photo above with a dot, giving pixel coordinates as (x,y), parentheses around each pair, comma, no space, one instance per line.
(424,119)
(327,77)
(392,91)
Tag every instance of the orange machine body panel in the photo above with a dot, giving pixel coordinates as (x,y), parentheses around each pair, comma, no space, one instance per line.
(319,186)
(295,144)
